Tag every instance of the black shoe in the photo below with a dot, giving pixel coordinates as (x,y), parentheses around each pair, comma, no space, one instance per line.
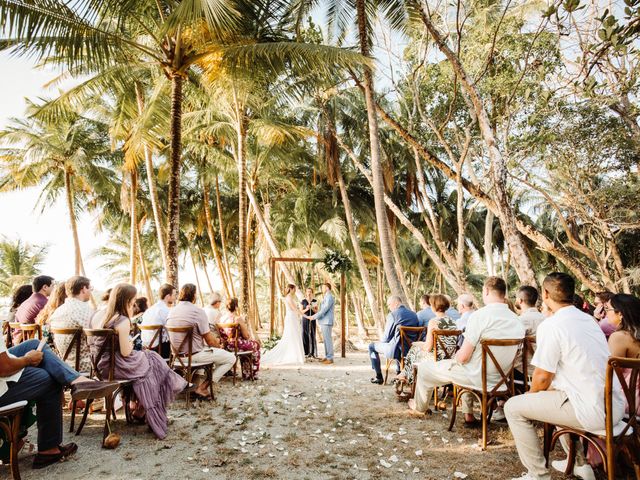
(377,381)
(42,460)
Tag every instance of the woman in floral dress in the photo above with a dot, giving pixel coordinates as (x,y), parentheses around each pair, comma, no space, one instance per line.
(422,350)
(246,341)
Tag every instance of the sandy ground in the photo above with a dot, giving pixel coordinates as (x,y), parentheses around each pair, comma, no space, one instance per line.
(312,422)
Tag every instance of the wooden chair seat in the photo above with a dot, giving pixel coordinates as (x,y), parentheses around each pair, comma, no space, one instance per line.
(10,419)
(486,396)
(28,331)
(620,439)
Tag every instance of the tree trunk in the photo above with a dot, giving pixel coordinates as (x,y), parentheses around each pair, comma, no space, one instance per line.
(382,221)
(488,243)
(397,263)
(143,268)
(498,170)
(357,309)
(362,266)
(195,272)
(153,191)
(68,186)
(133,234)
(173,244)
(212,240)
(203,262)
(223,240)
(243,253)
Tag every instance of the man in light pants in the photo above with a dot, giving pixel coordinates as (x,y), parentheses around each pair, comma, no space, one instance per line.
(568,382)
(324,317)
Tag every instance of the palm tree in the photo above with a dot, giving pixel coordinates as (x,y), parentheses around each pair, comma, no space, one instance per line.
(114,41)
(19,262)
(70,155)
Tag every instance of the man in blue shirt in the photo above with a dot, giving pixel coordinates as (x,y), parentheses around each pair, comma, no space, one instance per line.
(426,313)
(400,316)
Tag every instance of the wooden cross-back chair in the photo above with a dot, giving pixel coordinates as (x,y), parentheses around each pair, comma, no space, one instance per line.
(6,331)
(28,331)
(74,345)
(10,419)
(408,335)
(108,347)
(232,333)
(488,397)
(184,364)
(528,349)
(448,352)
(623,438)
(157,336)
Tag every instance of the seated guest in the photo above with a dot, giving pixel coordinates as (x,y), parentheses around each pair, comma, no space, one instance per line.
(420,350)
(530,316)
(425,313)
(568,382)
(213,309)
(246,341)
(206,347)
(400,316)
(623,312)
(57,298)
(31,307)
(157,315)
(155,385)
(21,294)
(493,321)
(40,376)
(74,313)
(466,306)
(141,306)
(600,313)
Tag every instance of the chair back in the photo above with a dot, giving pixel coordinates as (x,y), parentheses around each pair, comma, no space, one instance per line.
(27,331)
(176,350)
(75,344)
(157,336)
(440,344)
(506,377)
(231,332)
(6,331)
(108,346)
(528,349)
(408,335)
(626,370)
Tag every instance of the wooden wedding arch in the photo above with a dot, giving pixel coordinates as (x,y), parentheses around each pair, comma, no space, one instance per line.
(343,297)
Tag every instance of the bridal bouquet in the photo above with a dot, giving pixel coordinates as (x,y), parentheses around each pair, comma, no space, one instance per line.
(336,262)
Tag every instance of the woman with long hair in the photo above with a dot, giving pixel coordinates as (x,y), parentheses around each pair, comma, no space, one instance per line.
(155,385)
(289,350)
(246,341)
(57,298)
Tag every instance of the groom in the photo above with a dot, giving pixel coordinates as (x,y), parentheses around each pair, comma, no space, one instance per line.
(324,318)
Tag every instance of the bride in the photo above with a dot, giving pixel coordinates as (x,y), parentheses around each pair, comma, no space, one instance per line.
(289,350)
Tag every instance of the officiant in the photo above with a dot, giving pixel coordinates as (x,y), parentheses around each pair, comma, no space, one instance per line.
(309,307)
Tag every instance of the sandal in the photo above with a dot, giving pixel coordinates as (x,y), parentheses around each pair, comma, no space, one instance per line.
(42,460)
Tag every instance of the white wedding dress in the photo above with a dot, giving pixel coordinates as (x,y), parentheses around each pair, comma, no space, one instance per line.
(289,350)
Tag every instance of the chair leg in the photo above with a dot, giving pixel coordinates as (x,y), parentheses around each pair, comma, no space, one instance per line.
(15,431)
(454,409)
(84,415)
(210,377)
(386,371)
(546,441)
(571,459)
(435,399)
(235,370)
(189,375)
(73,416)
(485,421)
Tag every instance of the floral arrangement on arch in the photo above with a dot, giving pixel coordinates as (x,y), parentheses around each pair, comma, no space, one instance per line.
(336,262)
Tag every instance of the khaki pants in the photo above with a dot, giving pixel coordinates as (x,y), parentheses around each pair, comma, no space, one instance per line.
(551,406)
(433,374)
(223,361)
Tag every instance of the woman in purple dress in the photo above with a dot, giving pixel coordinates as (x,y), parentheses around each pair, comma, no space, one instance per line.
(155,385)
(246,342)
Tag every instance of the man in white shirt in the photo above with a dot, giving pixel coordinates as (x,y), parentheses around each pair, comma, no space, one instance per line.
(466,306)
(493,321)
(213,309)
(157,314)
(75,312)
(568,382)
(526,300)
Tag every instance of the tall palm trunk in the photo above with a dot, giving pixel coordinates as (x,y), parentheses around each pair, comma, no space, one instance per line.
(212,240)
(195,272)
(153,190)
(79,266)
(133,236)
(174,181)
(143,267)
(243,253)
(376,164)
(223,240)
(203,262)
(362,266)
